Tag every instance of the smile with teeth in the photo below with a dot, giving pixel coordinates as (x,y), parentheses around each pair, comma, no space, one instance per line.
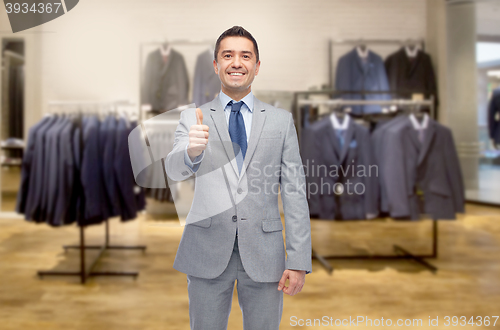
(236,74)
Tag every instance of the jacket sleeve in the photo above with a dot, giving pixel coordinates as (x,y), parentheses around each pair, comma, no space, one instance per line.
(394,174)
(293,196)
(371,177)
(454,173)
(175,164)
(308,153)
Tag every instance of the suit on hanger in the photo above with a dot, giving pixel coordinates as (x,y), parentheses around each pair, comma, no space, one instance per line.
(377,138)
(340,161)
(493,113)
(355,74)
(166,84)
(27,165)
(411,75)
(429,168)
(225,201)
(124,176)
(33,203)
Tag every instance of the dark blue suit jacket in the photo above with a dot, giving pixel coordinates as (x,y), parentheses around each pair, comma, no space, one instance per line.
(37,173)
(124,176)
(353,75)
(493,111)
(335,163)
(24,188)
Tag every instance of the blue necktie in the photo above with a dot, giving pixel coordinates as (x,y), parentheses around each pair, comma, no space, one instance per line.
(237,133)
(341,136)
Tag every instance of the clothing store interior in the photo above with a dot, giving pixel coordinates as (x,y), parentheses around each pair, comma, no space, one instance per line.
(408,90)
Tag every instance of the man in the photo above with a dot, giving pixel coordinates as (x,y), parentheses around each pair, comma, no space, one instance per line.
(233,231)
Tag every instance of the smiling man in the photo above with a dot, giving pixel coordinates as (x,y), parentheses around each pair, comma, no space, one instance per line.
(243,242)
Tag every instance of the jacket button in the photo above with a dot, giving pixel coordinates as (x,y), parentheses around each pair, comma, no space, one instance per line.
(235,218)
(239,190)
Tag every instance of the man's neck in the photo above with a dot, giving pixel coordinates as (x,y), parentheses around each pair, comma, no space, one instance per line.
(236,95)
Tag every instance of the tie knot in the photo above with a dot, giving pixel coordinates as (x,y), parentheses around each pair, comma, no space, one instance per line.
(236,106)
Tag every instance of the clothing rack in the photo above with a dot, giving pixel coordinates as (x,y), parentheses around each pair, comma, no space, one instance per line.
(334,100)
(355,42)
(84,273)
(400,252)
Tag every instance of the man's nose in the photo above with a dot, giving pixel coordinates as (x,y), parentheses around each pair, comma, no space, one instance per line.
(236,62)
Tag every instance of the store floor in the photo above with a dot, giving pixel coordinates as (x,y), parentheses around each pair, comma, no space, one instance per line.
(467,283)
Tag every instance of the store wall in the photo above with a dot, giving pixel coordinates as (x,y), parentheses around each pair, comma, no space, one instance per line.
(92,53)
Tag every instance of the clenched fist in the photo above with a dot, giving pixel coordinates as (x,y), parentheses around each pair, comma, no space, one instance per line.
(198,136)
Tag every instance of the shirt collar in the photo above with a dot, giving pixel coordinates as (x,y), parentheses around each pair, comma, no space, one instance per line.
(417,125)
(248,100)
(337,125)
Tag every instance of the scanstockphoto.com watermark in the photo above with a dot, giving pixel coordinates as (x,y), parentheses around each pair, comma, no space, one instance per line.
(447,321)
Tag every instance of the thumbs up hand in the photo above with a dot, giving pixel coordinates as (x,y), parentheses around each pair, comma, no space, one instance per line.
(198,136)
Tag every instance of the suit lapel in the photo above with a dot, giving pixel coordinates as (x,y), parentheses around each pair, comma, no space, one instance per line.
(258,119)
(415,63)
(358,62)
(414,136)
(428,137)
(348,137)
(220,123)
(166,65)
(333,144)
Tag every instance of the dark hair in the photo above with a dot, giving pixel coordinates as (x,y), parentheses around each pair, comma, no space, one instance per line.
(236,31)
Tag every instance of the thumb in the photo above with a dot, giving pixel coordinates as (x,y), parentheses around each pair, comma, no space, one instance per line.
(199,117)
(282,282)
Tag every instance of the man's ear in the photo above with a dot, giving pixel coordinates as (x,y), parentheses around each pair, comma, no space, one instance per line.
(216,68)
(257,68)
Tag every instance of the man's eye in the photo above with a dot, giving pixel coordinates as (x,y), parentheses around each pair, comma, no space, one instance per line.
(227,55)
(246,56)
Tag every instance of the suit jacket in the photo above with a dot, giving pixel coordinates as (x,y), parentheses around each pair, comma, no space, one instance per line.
(206,82)
(411,76)
(430,169)
(27,165)
(353,75)
(165,85)
(37,174)
(351,164)
(493,112)
(124,176)
(91,173)
(225,201)
(377,139)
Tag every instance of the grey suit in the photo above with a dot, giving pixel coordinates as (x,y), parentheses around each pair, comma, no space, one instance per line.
(430,168)
(165,85)
(225,201)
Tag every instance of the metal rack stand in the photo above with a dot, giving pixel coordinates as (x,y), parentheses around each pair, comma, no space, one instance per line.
(85,273)
(400,252)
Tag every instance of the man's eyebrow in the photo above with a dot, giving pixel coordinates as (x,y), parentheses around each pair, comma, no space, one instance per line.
(231,51)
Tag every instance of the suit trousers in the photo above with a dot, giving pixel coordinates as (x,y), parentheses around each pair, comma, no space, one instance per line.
(210,299)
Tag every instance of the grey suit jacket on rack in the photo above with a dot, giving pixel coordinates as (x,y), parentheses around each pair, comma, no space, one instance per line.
(165,85)
(430,168)
(225,201)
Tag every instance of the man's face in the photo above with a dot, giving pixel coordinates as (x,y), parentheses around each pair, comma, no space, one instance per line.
(236,64)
